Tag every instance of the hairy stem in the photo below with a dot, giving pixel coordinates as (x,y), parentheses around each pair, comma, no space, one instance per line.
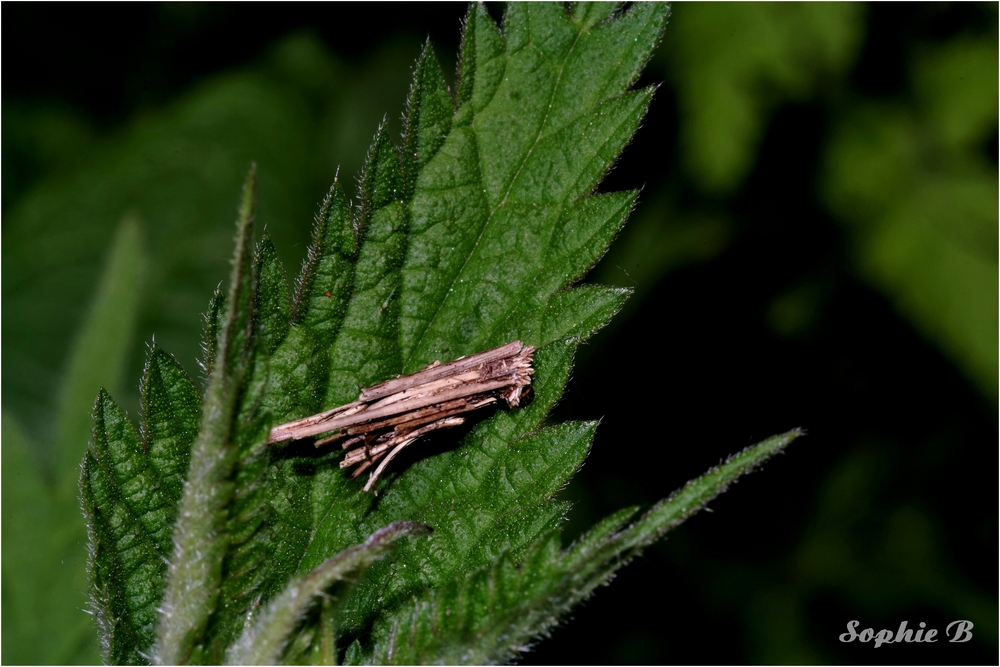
(200,538)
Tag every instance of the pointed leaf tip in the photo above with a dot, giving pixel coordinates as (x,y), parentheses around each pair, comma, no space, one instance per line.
(325,282)
(697,493)
(428,116)
(248,199)
(266,638)
(272,308)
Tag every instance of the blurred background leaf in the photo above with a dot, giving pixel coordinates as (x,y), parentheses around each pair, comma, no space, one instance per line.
(44,583)
(911,180)
(820,203)
(733,65)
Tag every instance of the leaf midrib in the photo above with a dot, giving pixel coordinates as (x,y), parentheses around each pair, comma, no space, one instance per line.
(510,185)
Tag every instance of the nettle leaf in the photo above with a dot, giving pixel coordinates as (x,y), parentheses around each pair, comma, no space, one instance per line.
(130,488)
(468,236)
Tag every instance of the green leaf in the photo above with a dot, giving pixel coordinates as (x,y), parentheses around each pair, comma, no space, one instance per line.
(456,280)
(45,559)
(44,564)
(171,408)
(920,202)
(99,354)
(264,641)
(130,489)
(734,64)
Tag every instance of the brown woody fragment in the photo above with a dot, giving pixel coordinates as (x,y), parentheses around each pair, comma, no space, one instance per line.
(392,415)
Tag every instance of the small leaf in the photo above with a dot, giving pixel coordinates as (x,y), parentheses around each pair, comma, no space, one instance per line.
(211,329)
(171,408)
(327,277)
(272,301)
(263,642)
(131,517)
(130,491)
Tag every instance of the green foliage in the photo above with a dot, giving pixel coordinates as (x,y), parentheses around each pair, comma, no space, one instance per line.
(466,239)
(921,200)
(299,111)
(43,564)
(733,64)
(731,67)
(908,178)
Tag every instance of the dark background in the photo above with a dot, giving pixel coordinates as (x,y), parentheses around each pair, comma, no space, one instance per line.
(885,512)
